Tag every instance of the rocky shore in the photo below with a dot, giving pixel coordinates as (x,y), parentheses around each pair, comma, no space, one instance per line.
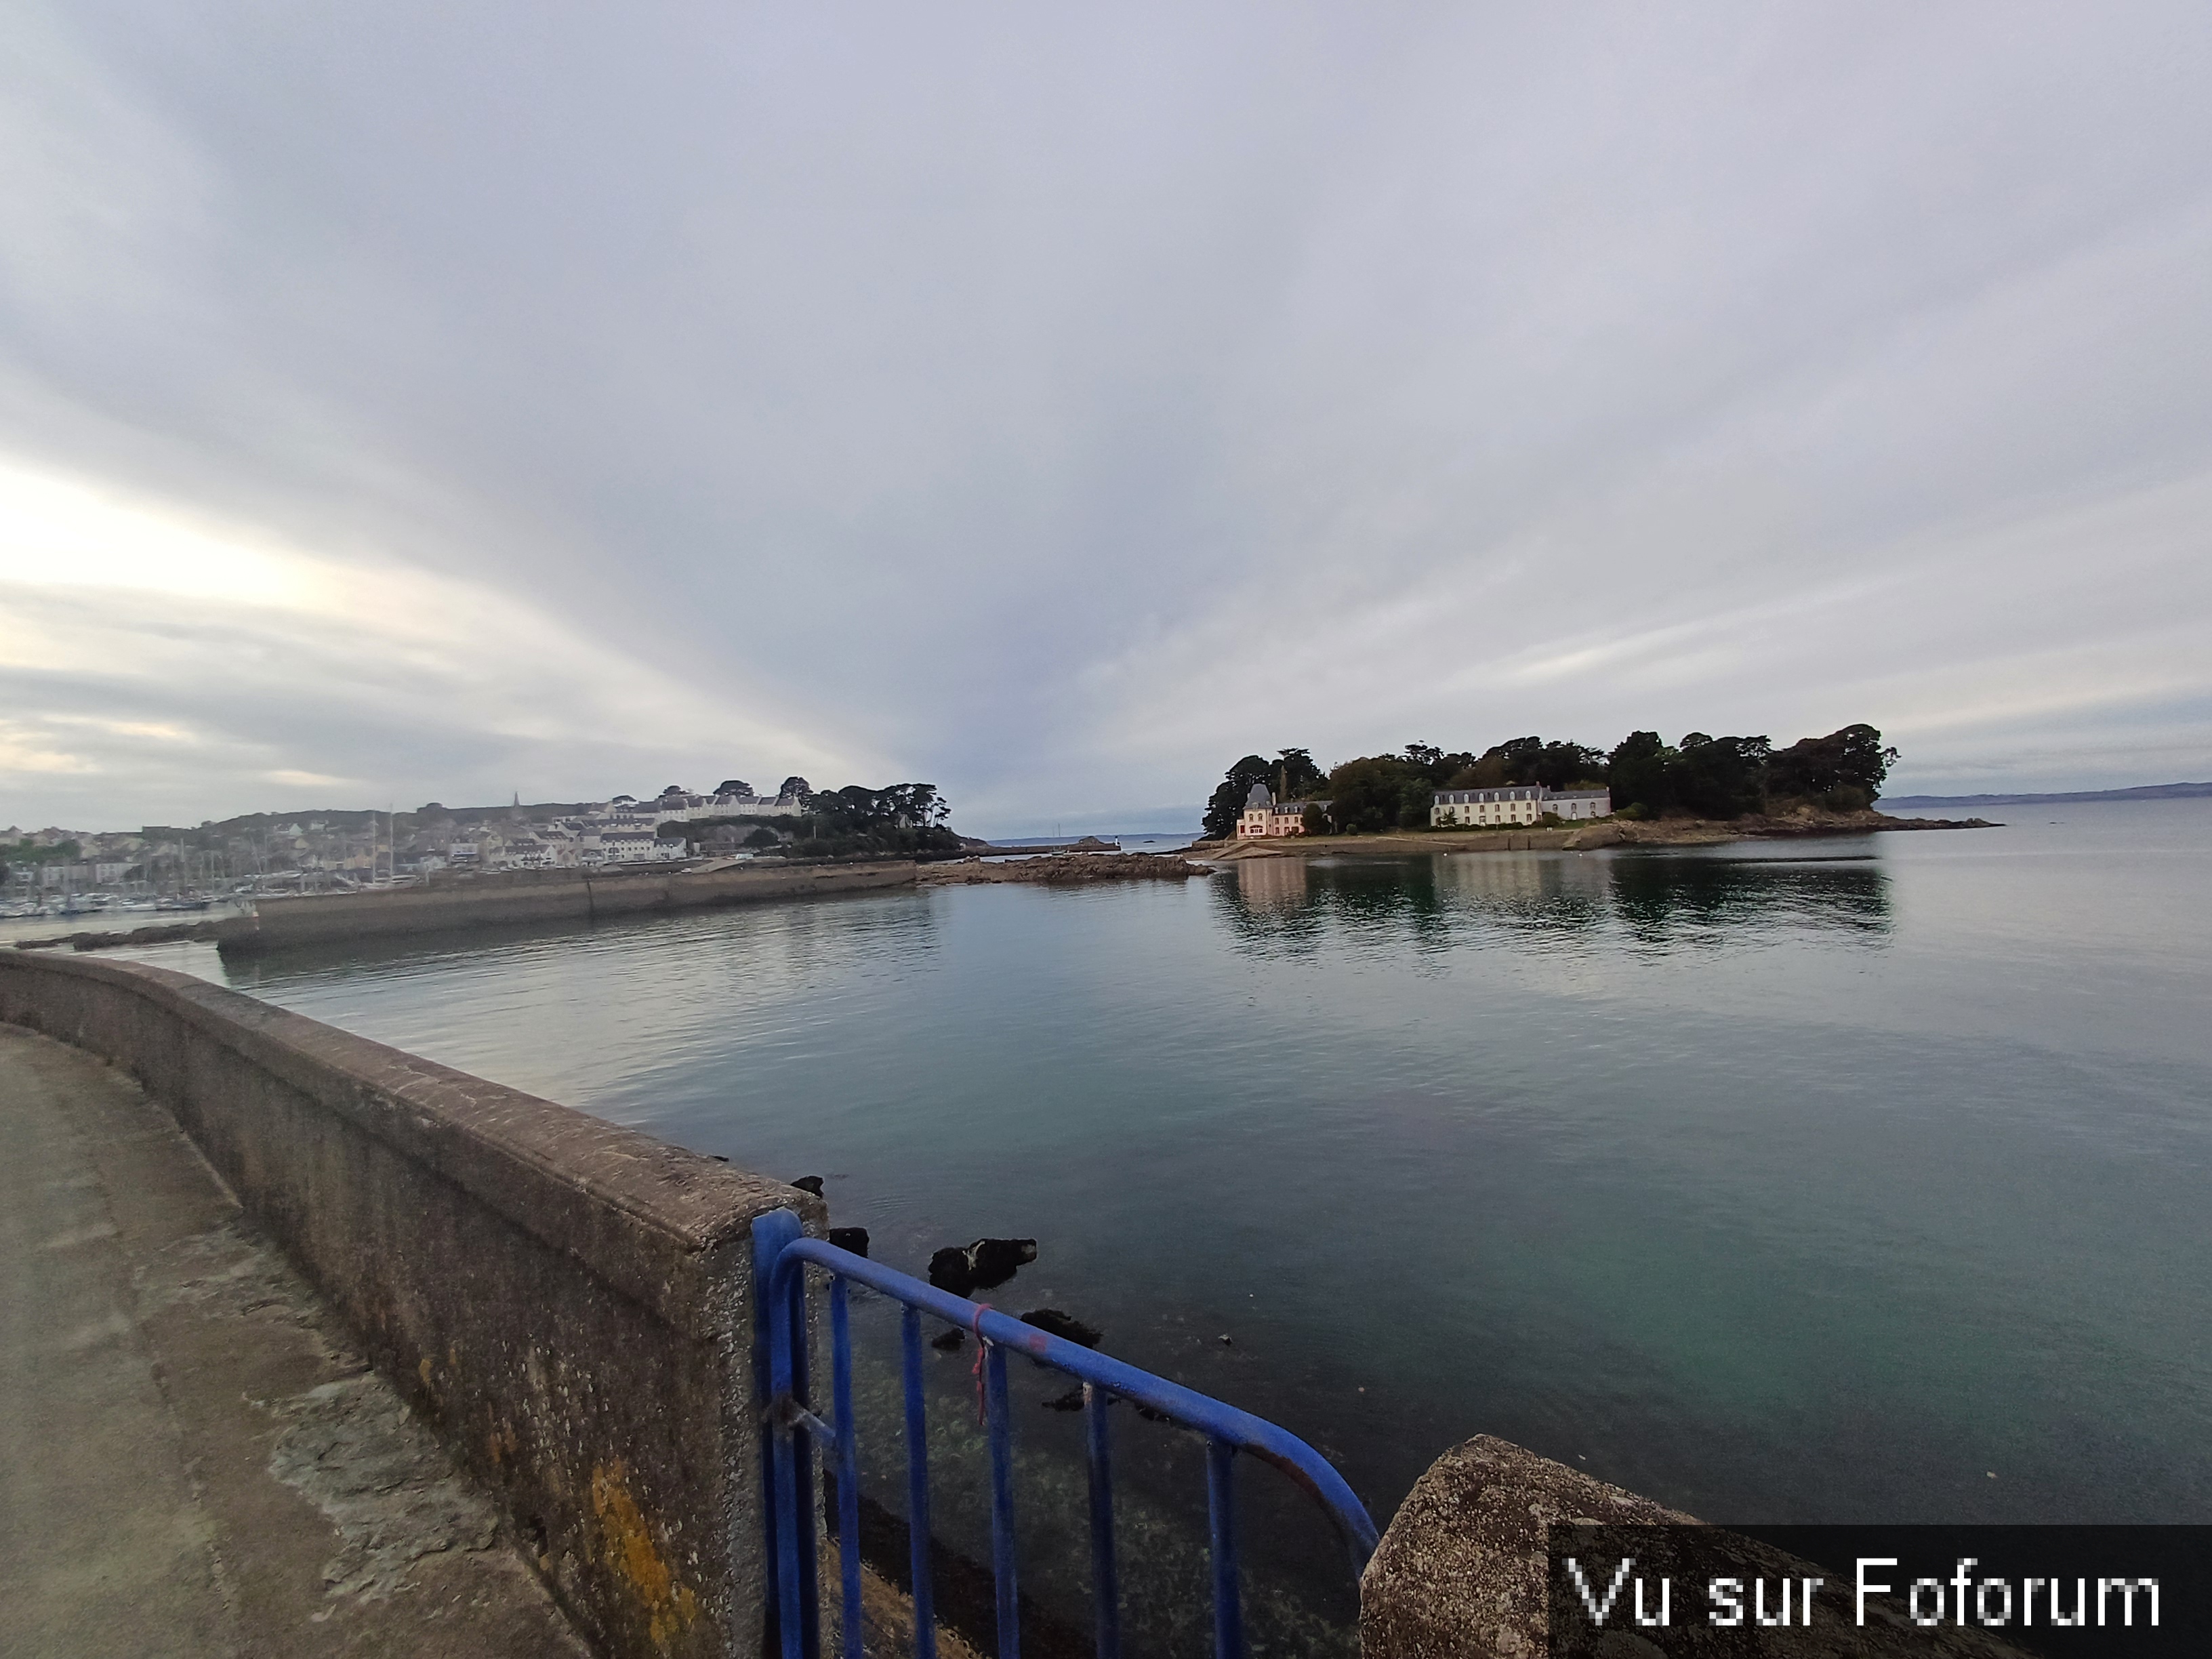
(1611,832)
(158,933)
(1700,832)
(1063,870)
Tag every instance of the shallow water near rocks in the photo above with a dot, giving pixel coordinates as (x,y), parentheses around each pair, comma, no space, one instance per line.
(1860,1180)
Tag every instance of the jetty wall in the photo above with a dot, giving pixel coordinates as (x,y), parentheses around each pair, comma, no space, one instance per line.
(473,901)
(568,1302)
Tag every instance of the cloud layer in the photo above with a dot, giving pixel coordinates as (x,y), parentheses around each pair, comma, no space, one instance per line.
(442,402)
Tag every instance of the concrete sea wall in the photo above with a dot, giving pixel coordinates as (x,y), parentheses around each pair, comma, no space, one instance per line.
(568,1302)
(475,901)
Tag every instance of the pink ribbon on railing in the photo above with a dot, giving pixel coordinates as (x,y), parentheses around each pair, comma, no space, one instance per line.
(981,1308)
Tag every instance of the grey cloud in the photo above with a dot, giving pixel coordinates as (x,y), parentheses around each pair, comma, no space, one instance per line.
(1055,406)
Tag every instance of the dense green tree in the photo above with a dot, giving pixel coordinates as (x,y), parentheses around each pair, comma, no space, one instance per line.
(1844,771)
(902,818)
(1296,775)
(1719,777)
(1526,760)
(1379,792)
(1438,767)
(1564,766)
(1637,771)
(855,810)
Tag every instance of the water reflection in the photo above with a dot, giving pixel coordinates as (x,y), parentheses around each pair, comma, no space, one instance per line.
(1273,884)
(1524,887)
(1653,901)
(1671,901)
(786,938)
(634,1018)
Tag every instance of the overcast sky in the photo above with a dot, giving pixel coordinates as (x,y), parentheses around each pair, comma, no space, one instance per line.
(434,401)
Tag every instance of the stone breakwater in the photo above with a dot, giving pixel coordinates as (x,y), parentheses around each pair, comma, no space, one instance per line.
(1074,867)
(532,895)
(447,904)
(157,934)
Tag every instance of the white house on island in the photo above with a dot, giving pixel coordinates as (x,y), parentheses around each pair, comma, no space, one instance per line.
(1515,803)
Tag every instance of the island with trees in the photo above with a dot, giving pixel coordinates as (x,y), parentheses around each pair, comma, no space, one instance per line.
(1700,788)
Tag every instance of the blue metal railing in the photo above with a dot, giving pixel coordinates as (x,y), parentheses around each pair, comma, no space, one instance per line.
(781,1255)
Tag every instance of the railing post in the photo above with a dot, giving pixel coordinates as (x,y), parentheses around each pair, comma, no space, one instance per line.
(772,1362)
(1002,1498)
(1221,1510)
(917,1487)
(807,1547)
(1105,1578)
(848,1471)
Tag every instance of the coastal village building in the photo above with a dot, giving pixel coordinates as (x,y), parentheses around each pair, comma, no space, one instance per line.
(737,802)
(1515,803)
(631,847)
(1265,816)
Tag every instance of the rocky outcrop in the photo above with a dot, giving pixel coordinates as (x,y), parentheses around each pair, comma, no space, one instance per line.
(1463,1572)
(157,934)
(1070,868)
(1702,832)
(1459,1573)
(982,1266)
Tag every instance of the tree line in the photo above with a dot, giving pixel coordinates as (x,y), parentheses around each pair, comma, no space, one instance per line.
(902,817)
(1700,776)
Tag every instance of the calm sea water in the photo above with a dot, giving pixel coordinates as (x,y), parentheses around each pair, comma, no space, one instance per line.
(1867,1179)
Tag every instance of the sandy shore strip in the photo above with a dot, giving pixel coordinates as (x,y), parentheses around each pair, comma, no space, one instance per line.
(1064,869)
(1610,832)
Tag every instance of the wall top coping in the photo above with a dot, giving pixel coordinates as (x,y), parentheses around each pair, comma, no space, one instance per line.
(460,1125)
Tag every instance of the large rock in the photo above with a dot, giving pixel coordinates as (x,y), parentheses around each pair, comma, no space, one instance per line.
(1460,1572)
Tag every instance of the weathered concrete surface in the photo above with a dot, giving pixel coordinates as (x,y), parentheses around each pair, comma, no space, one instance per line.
(566,1303)
(478,901)
(1460,1572)
(192,1459)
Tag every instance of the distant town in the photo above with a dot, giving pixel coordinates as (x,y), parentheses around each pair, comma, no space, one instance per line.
(174,867)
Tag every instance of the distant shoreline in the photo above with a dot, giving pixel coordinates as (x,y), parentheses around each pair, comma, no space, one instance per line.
(2146,791)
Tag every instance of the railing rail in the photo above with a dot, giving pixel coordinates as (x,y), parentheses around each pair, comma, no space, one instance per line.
(781,1255)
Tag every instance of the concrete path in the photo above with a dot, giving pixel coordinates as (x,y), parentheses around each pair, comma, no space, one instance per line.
(192,1462)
